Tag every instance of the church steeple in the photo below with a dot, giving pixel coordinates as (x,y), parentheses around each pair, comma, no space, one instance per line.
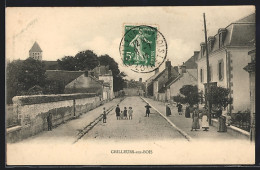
(36,52)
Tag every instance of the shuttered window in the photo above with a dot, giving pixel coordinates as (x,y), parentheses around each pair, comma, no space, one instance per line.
(221,70)
(201,75)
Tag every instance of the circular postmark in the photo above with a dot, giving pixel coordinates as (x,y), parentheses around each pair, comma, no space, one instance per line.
(143,48)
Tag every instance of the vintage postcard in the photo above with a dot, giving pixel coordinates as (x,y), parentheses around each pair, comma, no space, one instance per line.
(130,85)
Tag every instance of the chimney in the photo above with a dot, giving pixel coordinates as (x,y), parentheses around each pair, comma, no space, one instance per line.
(140,79)
(211,40)
(168,66)
(202,49)
(222,34)
(156,71)
(183,68)
(195,56)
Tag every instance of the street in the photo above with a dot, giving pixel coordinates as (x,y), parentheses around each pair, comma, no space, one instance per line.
(139,128)
(147,137)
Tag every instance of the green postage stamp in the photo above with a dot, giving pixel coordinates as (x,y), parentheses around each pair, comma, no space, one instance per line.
(143,48)
(139,45)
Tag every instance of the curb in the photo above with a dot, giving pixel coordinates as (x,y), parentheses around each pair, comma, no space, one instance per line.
(170,122)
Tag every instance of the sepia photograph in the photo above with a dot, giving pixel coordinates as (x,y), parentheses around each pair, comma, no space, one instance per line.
(154,85)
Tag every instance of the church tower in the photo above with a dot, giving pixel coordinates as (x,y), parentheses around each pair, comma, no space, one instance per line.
(36,52)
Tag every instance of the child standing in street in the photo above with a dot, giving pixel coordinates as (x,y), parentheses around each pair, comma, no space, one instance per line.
(104,115)
(125,113)
(121,115)
(130,113)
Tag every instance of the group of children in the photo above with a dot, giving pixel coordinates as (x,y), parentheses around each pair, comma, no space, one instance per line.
(119,114)
(123,114)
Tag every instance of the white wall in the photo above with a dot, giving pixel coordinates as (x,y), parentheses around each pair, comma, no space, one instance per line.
(239,59)
(241,88)
(185,79)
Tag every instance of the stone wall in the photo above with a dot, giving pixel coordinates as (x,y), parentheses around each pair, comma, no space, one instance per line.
(32,112)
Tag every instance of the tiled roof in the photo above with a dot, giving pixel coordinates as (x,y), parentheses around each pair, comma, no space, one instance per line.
(65,76)
(150,80)
(249,18)
(190,63)
(35,48)
(239,33)
(50,65)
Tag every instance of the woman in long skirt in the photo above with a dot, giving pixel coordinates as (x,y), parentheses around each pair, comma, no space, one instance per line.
(204,119)
(168,110)
(187,112)
(195,119)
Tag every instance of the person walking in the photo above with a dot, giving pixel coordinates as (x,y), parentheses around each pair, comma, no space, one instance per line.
(130,113)
(147,110)
(104,115)
(187,112)
(49,121)
(195,119)
(125,113)
(168,110)
(117,112)
(179,108)
(204,119)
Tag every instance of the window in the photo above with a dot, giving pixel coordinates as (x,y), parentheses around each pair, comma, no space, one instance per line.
(220,70)
(201,75)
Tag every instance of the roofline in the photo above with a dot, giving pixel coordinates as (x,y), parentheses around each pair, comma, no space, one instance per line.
(247,15)
(225,48)
(232,24)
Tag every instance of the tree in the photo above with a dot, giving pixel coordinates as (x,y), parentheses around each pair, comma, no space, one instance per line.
(67,63)
(219,97)
(32,73)
(12,70)
(107,60)
(189,94)
(23,75)
(86,60)
(179,99)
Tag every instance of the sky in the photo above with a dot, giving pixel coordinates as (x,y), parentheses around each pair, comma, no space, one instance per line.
(64,31)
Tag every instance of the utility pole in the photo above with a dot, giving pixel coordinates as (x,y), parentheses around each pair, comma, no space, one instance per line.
(207,91)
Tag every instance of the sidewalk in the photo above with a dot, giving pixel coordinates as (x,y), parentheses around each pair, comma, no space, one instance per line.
(185,124)
(67,133)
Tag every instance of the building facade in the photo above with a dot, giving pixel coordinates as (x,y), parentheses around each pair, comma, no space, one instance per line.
(228,55)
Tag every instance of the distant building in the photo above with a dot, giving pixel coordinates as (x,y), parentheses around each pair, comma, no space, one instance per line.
(157,82)
(228,55)
(103,73)
(98,80)
(35,52)
(187,76)
(134,88)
